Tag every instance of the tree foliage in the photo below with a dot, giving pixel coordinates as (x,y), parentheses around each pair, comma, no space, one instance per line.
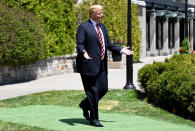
(21,37)
(58,19)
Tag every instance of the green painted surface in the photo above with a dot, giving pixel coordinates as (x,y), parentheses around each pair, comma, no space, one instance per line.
(67,119)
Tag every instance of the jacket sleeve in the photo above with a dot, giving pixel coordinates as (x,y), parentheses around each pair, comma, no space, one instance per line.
(111,46)
(80,39)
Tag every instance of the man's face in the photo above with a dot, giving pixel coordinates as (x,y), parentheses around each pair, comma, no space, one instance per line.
(98,16)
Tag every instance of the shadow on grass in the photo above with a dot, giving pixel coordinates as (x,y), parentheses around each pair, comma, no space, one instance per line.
(74,121)
(141,95)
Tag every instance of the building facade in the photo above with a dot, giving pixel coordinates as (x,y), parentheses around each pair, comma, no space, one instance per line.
(163,26)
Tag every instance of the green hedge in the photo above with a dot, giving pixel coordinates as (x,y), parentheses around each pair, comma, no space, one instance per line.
(58,19)
(21,37)
(171,84)
(115,20)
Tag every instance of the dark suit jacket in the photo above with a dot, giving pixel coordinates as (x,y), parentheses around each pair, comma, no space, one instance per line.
(87,39)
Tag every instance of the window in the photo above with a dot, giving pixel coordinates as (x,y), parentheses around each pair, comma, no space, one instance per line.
(181,30)
(148,32)
(171,34)
(159,33)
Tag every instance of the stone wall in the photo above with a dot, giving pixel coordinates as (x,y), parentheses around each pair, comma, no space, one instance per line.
(48,67)
(40,69)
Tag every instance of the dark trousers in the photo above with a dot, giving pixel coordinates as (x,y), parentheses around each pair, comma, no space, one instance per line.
(95,88)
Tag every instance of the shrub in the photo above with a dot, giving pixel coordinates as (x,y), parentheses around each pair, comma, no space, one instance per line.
(21,37)
(115,19)
(184,49)
(191,108)
(58,19)
(171,90)
(150,72)
(171,84)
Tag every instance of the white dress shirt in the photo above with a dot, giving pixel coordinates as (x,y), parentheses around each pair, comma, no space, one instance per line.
(94,24)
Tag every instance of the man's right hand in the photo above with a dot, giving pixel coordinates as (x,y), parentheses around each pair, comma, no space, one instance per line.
(86,56)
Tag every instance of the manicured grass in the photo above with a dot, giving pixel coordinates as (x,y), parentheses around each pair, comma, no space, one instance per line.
(124,101)
(71,119)
(5,126)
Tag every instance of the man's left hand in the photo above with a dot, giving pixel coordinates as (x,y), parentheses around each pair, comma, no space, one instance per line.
(125,50)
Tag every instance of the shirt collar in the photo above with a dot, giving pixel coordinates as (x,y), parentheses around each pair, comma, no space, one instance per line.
(93,22)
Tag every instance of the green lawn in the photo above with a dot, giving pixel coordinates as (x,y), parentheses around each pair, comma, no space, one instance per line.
(114,103)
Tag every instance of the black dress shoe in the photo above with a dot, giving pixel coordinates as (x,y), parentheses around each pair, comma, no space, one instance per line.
(85,112)
(97,124)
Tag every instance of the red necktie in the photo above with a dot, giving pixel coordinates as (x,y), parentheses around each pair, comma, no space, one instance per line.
(101,41)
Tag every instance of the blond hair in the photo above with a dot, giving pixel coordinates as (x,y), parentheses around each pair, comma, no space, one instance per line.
(94,9)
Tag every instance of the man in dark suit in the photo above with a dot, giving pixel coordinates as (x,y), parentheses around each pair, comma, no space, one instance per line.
(92,44)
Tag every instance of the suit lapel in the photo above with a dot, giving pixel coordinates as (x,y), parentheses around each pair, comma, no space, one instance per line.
(93,31)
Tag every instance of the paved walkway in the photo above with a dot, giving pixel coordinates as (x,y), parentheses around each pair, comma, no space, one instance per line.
(72,81)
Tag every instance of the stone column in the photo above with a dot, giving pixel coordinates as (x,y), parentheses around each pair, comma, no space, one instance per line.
(142,19)
(193,44)
(165,49)
(176,36)
(152,51)
(191,34)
